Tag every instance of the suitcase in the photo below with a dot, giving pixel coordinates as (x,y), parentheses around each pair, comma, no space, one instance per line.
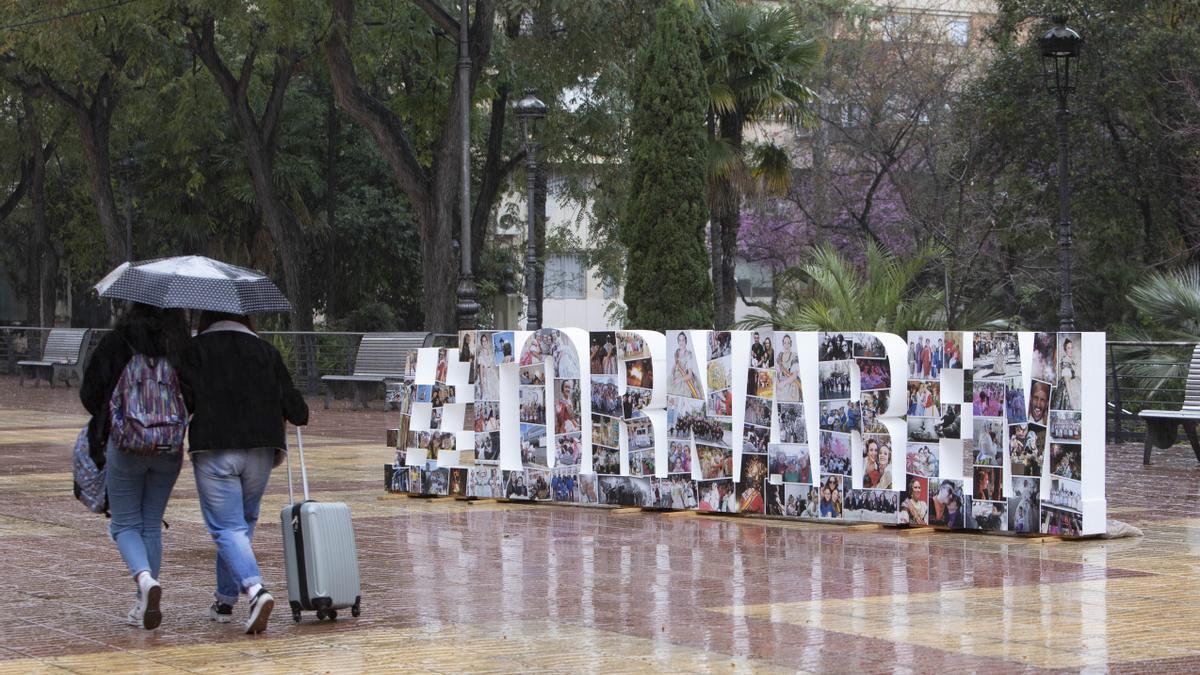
(319,552)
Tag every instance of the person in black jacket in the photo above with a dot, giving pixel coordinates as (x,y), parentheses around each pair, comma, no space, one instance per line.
(139,486)
(240,394)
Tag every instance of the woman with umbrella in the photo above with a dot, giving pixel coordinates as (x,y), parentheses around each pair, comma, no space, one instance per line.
(139,483)
(239,393)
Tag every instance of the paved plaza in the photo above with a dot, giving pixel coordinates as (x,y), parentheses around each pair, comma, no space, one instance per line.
(452,586)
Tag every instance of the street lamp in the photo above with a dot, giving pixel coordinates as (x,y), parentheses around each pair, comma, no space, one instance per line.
(466,308)
(530,111)
(1060,45)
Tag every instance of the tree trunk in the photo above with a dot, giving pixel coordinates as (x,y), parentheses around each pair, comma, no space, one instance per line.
(333,286)
(539,242)
(45,267)
(726,221)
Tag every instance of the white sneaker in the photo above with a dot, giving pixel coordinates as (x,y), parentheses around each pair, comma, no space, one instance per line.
(260,611)
(134,617)
(149,597)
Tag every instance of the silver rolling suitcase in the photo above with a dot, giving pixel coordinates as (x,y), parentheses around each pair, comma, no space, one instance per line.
(319,552)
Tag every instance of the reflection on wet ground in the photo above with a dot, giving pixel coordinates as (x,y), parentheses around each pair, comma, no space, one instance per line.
(454,586)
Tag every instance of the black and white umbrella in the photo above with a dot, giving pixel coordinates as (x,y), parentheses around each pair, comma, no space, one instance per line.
(194,282)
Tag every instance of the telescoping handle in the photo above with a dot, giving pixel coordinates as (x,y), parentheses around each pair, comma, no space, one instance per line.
(303,468)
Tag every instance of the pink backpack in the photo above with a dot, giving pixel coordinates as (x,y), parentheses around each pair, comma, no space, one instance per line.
(147,408)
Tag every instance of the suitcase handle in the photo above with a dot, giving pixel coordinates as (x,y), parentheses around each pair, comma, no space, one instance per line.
(303,469)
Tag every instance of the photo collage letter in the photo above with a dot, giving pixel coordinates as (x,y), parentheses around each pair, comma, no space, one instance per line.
(767,423)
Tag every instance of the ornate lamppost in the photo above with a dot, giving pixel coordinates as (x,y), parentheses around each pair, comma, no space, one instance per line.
(531,111)
(1060,46)
(467,309)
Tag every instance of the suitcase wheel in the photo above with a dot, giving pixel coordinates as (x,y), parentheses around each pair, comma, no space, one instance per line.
(323,614)
(296,615)
(356,609)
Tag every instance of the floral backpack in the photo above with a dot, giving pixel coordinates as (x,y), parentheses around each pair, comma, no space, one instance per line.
(90,487)
(147,408)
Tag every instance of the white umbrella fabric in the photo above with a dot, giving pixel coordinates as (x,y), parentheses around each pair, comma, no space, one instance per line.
(194,282)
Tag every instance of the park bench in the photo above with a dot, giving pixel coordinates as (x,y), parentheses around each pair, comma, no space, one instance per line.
(380,359)
(64,354)
(1162,426)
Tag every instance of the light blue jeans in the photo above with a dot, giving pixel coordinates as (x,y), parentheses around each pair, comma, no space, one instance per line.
(231,484)
(138,489)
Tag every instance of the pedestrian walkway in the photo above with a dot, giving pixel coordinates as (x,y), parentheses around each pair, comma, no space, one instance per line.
(451,586)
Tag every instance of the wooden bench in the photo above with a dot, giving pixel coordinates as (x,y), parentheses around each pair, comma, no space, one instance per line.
(380,359)
(1162,426)
(64,354)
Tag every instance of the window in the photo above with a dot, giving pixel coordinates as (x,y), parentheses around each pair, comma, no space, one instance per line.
(959,31)
(565,277)
(609,288)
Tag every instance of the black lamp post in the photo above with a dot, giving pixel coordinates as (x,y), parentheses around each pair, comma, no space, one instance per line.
(531,111)
(1060,45)
(466,308)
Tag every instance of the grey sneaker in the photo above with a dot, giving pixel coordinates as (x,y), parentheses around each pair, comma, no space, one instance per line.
(134,617)
(260,611)
(149,596)
(220,612)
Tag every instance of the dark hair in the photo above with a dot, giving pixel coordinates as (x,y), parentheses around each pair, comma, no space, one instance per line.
(153,331)
(209,317)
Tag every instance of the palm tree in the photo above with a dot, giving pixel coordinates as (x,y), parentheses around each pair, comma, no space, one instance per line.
(756,59)
(1169,302)
(830,293)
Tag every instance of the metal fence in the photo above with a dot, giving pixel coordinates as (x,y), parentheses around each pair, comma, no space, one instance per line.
(309,355)
(1140,375)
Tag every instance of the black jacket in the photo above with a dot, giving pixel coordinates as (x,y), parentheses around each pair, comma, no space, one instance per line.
(104,369)
(239,392)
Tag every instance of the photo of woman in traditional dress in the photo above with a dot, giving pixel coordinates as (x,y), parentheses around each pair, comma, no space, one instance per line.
(684,380)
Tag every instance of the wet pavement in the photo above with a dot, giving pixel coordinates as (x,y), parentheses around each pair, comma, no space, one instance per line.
(453,586)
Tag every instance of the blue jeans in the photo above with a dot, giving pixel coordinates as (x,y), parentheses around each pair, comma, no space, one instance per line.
(231,484)
(138,489)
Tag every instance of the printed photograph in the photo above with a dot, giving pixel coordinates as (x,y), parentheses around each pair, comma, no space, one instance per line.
(719,374)
(682,415)
(632,346)
(634,400)
(515,485)
(755,439)
(926,350)
(1045,350)
(674,492)
(435,418)
(713,432)
(1039,402)
(867,346)
(606,460)
(437,482)
(921,459)
(1067,387)
(947,504)
(487,446)
(988,484)
(873,506)
(787,371)
(877,462)
(458,482)
(762,353)
(953,356)
(564,484)
(396,478)
(720,403)
(484,481)
(836,416)
(606,397)
(834,453)
(533,445)
(487,383)
(758,411)
(685,381)
(750,485)
(640,433)
(602,353)
(874,374)
(531,375)
(717,495)
(924,399)
(987,399)
(1066,425)
(950,426)
(487,416)
(1026,449)
(1014,401)
(835,346)
(1065,460)
(641,463)
(639,373)
(914,507)
(568,449)
(720,344)
(760,382)
(996,356)
(589,488)
(606,431)
(416,480)
(538,481)
(566,406)
(1023,506)
(923,429)
(532,402)
(679,457)
(424,393)
(874,404)
(1061,522)
(792,428)
(988,441)
(790,462)
(989,516)
(835,380)
(503,349)
(787,500)
(715,462)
